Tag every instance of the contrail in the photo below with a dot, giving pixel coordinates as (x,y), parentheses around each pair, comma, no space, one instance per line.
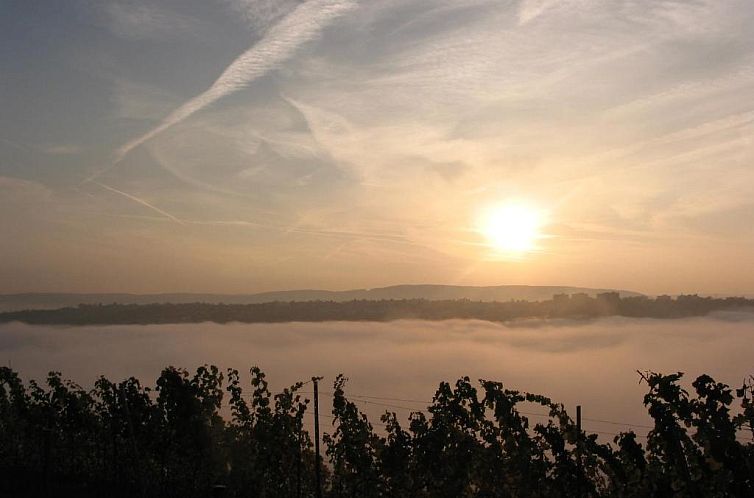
(140,201)
(347,234)
(278,45)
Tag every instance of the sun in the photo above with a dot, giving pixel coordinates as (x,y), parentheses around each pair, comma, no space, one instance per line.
(512,229)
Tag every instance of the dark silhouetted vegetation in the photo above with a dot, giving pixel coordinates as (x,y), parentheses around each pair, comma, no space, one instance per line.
(124,439)
(577,306)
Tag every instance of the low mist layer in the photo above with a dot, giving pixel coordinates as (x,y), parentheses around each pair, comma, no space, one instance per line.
(589,363)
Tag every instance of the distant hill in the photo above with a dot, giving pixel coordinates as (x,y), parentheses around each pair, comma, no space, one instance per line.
(15,302)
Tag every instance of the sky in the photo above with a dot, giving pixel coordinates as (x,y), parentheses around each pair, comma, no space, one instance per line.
(253,145)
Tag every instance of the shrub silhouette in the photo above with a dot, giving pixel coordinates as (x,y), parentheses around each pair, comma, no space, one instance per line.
(123,439)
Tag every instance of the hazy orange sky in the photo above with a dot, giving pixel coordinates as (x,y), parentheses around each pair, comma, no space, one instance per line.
(250,145)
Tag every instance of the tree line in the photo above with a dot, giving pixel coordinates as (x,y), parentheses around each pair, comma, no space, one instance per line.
(560,306)
(204,434)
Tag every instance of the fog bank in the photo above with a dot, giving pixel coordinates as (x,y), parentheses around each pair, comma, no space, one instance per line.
(589,363)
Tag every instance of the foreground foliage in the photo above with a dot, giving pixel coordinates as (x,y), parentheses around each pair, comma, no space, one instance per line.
(124,439)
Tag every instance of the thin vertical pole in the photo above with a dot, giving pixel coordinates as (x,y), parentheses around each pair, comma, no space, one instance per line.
(317,469)
(578,450)
(298,466)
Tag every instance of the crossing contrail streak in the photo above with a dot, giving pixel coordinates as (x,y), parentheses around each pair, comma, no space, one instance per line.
(140,201)
(278,45)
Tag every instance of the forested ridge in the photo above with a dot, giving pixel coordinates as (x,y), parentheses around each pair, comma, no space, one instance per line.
(204,434)
(560,306)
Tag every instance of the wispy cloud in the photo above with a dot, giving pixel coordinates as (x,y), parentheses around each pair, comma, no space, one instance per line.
(528,10)
(63,149)
(14,189)
(279,44)
(260,14)
(393,236)
(631,121)
(142,21)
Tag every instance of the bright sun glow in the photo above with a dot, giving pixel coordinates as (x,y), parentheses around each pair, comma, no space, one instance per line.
(512,228)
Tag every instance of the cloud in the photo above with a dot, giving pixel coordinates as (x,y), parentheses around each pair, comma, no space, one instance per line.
(630,120)
(17,190)
(134,21)
(528,10)
(260,14)
(134,100)
(279,44)
(63,149)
